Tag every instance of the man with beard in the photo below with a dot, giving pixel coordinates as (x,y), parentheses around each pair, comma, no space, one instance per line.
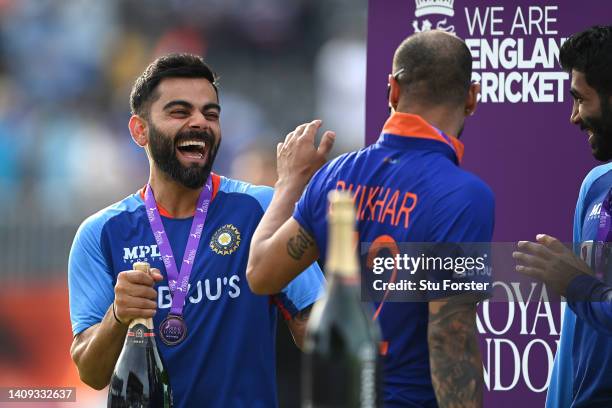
(581,374)
(222,353)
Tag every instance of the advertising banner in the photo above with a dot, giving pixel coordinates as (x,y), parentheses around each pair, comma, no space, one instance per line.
(520,142)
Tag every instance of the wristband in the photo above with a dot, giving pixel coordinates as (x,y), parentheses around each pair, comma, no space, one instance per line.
(115,314)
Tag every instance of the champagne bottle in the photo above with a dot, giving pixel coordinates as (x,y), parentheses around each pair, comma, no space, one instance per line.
(341,361)
(140,379)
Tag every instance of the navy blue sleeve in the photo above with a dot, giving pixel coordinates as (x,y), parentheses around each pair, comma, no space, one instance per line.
(311,210)
(312,206)
(597,312)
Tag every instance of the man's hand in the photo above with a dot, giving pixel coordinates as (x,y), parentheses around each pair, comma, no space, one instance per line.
(280,247)
(96,349)
(135,296)
(549,261)
(297,157)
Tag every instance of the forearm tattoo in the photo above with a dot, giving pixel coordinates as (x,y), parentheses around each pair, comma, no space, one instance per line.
(456,365)
(299,244)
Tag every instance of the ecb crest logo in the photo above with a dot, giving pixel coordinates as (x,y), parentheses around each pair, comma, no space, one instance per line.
(437,13)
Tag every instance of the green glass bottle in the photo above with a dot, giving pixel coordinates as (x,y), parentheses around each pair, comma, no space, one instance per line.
(342,366)
(140,379)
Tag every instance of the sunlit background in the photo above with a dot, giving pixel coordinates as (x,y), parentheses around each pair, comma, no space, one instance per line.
(66,69)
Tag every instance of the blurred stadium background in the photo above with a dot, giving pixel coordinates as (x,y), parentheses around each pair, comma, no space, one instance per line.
(66,69)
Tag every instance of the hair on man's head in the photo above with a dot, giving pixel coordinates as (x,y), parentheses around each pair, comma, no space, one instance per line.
(167,66)
(437,68)
(590,52)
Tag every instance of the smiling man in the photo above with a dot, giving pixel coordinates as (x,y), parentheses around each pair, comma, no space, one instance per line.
(581,374)
(224,356)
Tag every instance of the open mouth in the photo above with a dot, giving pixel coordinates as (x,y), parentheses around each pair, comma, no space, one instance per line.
(192,149)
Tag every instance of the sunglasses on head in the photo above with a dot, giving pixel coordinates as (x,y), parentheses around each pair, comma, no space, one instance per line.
(395,76)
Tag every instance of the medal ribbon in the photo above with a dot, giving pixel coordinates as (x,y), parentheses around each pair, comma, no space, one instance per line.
(603,233)
(178,282)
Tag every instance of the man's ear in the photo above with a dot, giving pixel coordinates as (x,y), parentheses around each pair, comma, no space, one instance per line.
(138,130)
(471,102)
(394,92)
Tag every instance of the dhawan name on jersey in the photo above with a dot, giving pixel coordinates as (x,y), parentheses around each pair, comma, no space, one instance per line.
(407,186)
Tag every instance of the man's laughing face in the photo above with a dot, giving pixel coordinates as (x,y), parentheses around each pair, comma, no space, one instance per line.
(186,157)
(184,129)
(594,115)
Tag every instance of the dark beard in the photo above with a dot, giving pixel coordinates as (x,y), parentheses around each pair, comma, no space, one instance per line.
(163,152)
(601,127)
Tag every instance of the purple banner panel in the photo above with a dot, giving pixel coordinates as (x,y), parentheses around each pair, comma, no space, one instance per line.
(520,142)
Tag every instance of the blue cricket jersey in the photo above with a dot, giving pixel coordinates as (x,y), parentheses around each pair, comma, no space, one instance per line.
(582,372)
(408,186)
(228,356)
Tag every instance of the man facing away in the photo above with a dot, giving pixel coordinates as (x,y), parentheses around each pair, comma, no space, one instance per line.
(227,355)
(432,357)
(582,373)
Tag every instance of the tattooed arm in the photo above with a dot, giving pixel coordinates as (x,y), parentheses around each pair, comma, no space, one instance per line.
(280,247)
(276,261)
(454,357)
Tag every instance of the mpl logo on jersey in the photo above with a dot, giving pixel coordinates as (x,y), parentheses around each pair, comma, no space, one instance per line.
(140,253)
(436,13)
(595,211)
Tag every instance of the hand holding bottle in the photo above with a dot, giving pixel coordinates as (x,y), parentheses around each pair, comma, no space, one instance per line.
(135,296)
(139,379)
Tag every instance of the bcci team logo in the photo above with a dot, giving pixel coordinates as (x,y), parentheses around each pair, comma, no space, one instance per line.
(225,240)
(434,8)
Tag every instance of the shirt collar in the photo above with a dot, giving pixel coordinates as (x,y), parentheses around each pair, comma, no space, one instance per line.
(216,182)
(414,126)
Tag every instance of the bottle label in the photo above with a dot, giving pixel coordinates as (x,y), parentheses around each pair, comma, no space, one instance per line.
(367,397)
(139,334)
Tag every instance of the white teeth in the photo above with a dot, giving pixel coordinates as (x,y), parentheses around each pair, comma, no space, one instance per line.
(192,143)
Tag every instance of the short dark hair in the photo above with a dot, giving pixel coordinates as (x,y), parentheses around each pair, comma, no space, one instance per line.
(168,66)
(590,52)
(437,68)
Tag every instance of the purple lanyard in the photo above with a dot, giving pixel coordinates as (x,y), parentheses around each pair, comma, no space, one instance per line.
(603,234)
(179,282)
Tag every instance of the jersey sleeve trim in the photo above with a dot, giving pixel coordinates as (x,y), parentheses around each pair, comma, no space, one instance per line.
(90,278)
(263,194)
